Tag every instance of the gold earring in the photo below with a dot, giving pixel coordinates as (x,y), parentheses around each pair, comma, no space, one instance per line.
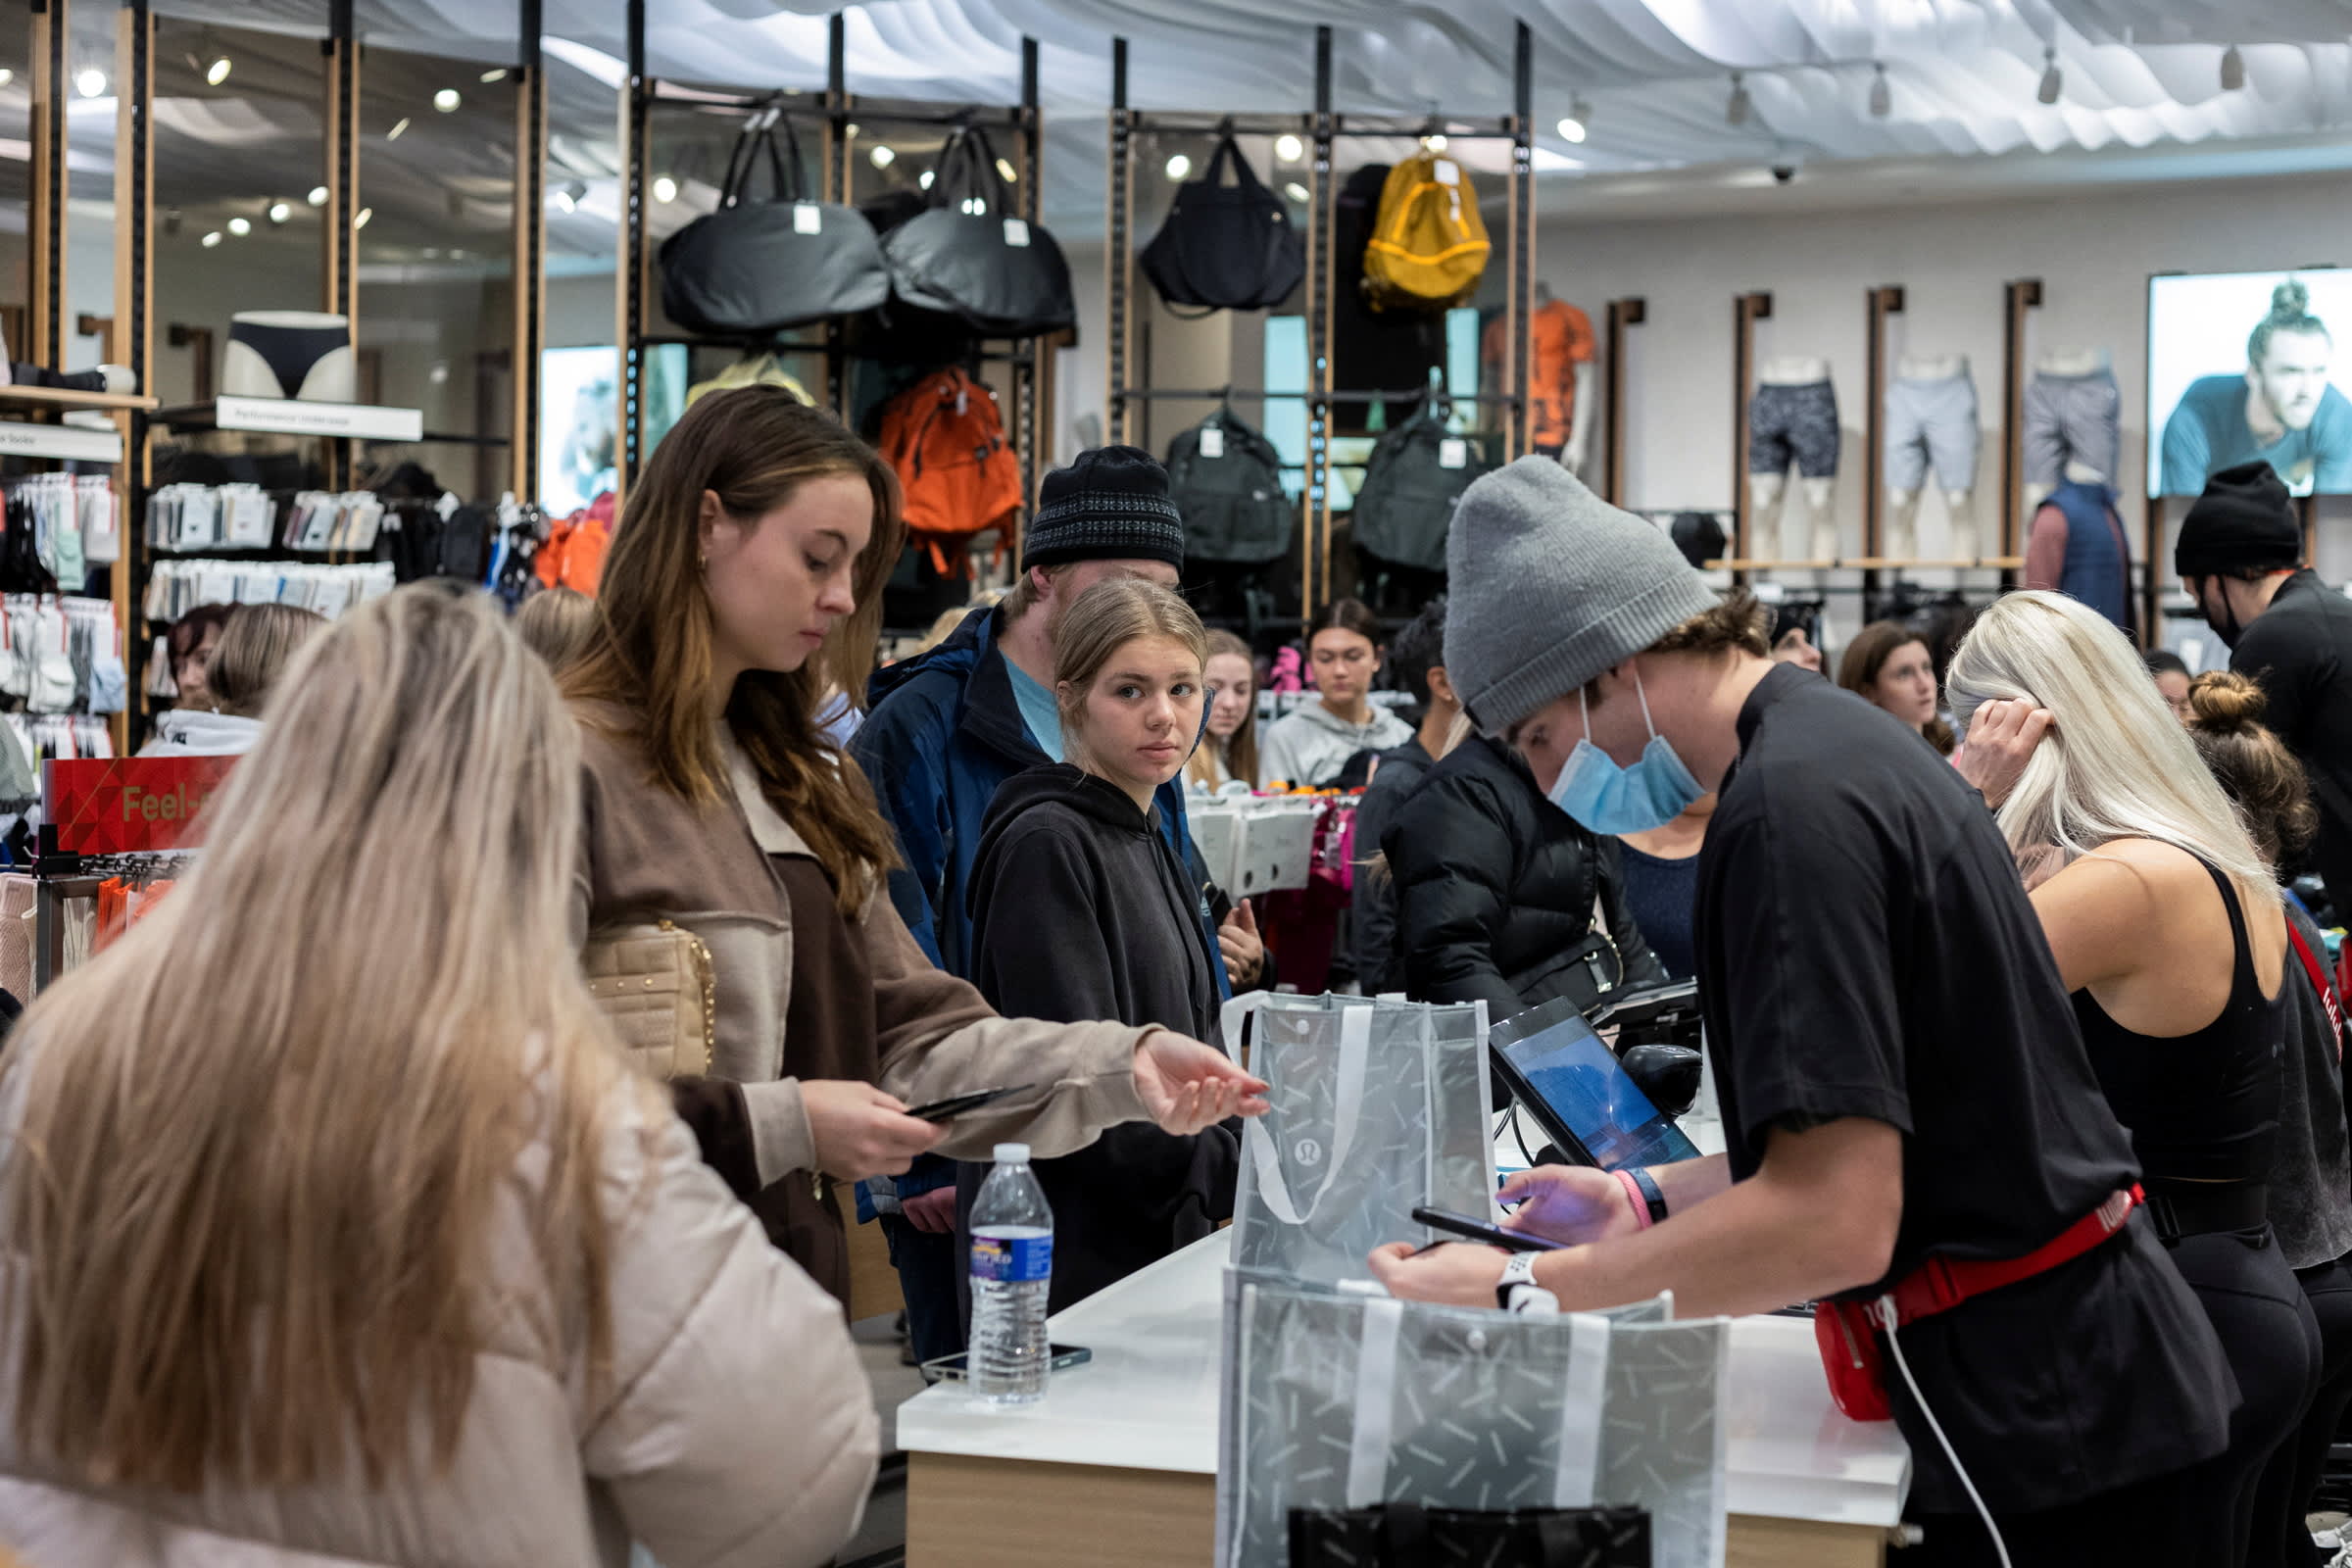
(701,560)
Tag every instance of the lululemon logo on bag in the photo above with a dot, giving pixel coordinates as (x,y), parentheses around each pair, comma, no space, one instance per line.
(1307,1151)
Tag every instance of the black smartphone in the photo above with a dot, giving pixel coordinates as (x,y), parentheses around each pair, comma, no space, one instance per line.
(957,1367)
(1477,1230)
(954,1106)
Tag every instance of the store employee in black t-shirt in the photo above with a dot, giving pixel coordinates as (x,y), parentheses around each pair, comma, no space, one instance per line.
(1899,1068)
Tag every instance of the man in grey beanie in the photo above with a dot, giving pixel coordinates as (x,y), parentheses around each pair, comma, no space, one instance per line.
(1911,1118)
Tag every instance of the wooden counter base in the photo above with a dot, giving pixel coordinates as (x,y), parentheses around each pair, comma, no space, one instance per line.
(965,1512)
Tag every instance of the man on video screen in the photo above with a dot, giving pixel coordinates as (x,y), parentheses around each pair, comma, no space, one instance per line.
(2283,410)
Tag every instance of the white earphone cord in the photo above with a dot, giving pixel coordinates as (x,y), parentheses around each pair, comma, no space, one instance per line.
(1884,1310)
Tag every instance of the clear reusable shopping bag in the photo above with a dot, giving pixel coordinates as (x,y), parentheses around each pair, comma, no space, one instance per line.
(1377,1108)
(1346,1398)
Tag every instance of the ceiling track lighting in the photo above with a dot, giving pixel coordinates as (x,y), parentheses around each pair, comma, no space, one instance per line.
(883,156)
(91,83)
(211,238)
(361,222)
(1576,124)
(570,194)
(318,196)
(1881,92)
(665,189)
(6,75)
(280,211)
(1179,166)
(240,226)
(1297,193)
(1740,106)
(1288,149)
(397,126)
(2234,70)
(447,100)
(2053,80)
(218,71)
(1012,175)
(489,77)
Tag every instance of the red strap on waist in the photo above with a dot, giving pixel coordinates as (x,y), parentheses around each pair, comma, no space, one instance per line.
(2319,979)
(1941,1284)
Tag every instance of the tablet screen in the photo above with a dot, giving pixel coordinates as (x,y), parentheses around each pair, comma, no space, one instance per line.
(1591,1094)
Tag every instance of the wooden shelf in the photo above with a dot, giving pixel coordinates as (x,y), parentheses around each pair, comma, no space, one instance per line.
(1770,566)
(287,416)
(1871,564)
(51,397)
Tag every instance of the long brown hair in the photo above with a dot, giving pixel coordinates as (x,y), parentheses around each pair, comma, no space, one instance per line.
(2253,766)
(1867,654)
(753,448)
(1241,751)
(265,1137)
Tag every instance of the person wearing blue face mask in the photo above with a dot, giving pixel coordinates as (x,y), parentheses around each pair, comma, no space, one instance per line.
(1916,1138)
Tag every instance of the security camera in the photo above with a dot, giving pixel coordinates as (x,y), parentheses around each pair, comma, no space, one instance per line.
(1782,173)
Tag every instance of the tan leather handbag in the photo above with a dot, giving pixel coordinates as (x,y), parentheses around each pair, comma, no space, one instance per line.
(655,983)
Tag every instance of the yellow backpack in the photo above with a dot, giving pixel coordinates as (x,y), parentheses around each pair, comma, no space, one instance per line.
(1429,245)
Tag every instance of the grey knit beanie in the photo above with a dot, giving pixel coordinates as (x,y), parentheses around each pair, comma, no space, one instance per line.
(1547,585)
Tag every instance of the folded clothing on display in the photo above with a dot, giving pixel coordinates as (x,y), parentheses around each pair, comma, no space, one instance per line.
(59,738)
(61,654)
(1932,422)
(203,517)
(72,519)
(176,587)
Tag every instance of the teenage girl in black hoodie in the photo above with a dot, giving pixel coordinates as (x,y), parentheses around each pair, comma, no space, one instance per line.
(1080,910)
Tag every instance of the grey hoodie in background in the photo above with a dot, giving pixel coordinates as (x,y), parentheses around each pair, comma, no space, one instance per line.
(1310,746)
(198,732)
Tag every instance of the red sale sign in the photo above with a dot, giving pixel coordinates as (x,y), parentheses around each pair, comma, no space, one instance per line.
(128,805)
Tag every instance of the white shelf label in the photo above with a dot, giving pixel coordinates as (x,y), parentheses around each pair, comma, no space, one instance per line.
(18,440)
(282,417)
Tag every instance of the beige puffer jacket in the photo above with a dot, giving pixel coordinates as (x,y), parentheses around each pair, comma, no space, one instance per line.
(738,1431)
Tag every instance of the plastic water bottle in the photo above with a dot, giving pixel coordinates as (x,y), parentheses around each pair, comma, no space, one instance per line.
(1013,1270)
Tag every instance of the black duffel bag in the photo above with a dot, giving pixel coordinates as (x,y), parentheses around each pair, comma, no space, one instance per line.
(1226,247)
(973,257)
(1403,1535)
(759,267)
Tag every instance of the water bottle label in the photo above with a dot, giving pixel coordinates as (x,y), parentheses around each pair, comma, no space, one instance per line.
(1012,1260)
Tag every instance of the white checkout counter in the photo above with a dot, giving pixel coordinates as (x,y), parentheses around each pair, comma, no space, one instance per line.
(1117,1463)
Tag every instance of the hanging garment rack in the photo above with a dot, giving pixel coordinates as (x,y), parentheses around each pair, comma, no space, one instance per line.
(1323,127)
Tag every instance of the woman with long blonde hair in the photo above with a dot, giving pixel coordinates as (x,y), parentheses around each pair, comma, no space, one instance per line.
(332,1225)
(1228,748)
(2165,923)
(716,803)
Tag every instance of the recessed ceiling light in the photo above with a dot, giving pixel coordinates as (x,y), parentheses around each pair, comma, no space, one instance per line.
(280,211)
(1013,176)
(240,226)
(665,189)
(1435,144)
(218,71)
(361,222)
(882,157)
(925,179)
(447,100)
(1295,191)
(210,239)
(1288,149)
(318,196)
(1179,166)
(488,76)
(6,75)
(398,125)
(91,83)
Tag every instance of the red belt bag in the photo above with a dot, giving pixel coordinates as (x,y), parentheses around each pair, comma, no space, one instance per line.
(1845,1331)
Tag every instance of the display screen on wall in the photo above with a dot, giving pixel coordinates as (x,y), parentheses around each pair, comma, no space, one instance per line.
(580,418)
(2245,365)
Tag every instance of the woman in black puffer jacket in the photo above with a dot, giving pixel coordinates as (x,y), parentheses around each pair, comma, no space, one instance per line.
(1496,889)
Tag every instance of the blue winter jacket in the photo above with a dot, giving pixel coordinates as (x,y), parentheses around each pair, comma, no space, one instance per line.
(941,733)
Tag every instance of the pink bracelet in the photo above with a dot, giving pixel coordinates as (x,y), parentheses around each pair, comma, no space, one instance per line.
(1633,1193)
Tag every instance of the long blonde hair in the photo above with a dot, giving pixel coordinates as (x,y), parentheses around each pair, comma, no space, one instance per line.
(2116,763)
(1240,759)
(1106,618)
(263,1137)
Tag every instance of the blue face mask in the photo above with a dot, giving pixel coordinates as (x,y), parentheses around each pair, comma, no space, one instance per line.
(1611,800)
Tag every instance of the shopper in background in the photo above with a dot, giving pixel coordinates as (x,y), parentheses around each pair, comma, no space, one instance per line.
(1080,910)
(2239,556)
(334,1227)
(1888,666)
(1417,663)
(190,643)
(2165,921)
(943,733)
(559,624)
(714,801)
(1902,1079)
(1496,888)
(2311,1185)
(1311,746)
(2169,672)
(1661,883)
(1794,635)
(1229,746)
(255,645)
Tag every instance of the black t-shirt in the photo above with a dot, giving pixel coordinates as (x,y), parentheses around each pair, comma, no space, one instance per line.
(1865,949)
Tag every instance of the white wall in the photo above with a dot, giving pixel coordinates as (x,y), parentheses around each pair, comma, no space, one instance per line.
(2092,252)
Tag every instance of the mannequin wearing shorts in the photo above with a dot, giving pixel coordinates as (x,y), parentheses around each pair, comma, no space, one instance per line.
(2072,422)
(1793,423)
(1932,424)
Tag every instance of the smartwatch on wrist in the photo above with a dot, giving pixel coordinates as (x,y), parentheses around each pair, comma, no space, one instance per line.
(1651,1196)
(1517,1290)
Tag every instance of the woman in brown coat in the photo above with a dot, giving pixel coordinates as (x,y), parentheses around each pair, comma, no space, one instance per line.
(714,802)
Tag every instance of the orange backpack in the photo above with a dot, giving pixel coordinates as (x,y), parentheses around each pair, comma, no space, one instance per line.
(944,437)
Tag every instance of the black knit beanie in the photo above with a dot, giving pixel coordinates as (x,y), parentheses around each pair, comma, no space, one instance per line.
(2245,520)
(1110,504)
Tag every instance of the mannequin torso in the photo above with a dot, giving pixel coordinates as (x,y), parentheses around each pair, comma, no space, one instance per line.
(2073,361)
(1932,367)
(1793,370)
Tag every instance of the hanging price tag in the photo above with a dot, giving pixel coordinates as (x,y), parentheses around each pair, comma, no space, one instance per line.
(1212,441)
(1016,233)
(1448,172)
(808,218)
(1453,452)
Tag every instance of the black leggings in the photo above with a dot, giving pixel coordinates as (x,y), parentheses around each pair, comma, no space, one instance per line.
(2293,1473)
(2273,1343)
(2162,1523)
